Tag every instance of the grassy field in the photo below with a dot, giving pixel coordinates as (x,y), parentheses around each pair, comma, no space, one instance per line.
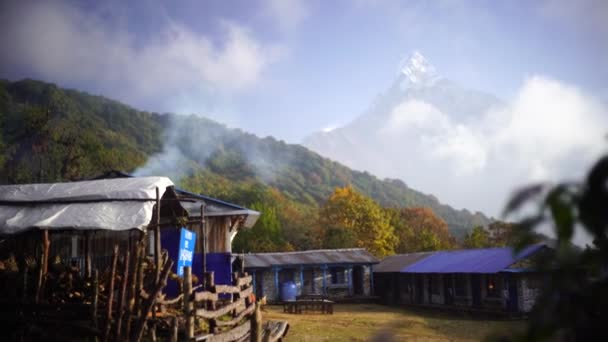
(364,322)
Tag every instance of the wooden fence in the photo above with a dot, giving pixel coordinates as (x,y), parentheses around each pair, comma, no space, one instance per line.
(125,303)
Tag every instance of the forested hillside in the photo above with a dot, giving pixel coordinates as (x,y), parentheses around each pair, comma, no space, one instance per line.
(50,134)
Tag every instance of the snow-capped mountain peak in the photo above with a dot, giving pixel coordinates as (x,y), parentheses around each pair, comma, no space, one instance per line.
(417,69)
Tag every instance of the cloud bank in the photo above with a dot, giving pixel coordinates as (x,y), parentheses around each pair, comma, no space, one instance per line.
(549,131)
(64,43)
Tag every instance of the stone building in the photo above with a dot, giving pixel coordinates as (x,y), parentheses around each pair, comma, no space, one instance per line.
(337,273)
(490,279)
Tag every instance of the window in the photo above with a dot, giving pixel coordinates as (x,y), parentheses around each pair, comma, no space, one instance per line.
(492,286)
(460,285)
(337,275)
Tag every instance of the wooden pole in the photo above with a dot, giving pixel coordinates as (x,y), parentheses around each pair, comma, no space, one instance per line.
(149,303)
(174,329)
(256,325)
(44,265)
(87,254)
(131,298)
(209,283)
(204,246)
(106,334)
(95,301)
(188,307)
(123,292)
(157,245)
(140,278)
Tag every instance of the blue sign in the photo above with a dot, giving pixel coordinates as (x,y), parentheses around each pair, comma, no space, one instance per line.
(187,241)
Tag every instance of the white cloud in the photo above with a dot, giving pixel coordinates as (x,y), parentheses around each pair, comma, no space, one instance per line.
(549,131)
(65,44)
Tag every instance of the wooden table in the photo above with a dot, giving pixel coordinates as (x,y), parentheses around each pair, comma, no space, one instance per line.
(309,303)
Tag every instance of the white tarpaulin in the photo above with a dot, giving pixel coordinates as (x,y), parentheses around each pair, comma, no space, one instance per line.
(108,204)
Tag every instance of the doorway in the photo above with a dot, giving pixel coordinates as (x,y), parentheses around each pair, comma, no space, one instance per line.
(448,290)
(476,289)
(358,281)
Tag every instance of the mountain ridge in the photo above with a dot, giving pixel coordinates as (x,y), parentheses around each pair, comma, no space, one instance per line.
(84,135)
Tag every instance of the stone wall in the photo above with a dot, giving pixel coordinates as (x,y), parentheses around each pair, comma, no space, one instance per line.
(528,292)
(268,284)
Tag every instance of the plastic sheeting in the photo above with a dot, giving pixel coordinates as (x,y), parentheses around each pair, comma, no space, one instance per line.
(108,204)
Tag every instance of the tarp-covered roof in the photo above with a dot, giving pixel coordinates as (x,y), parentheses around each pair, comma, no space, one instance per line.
(314,257)
(395,263)
(109,204)
(213,206)
(486,260)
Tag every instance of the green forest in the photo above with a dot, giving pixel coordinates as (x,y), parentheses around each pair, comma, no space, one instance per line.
(50,134)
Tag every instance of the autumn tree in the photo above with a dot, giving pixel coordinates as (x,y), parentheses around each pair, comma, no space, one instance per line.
(350,219)
(419,229)
(477,238)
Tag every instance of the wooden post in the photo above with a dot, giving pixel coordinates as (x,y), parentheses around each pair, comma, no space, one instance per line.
(95,301)
(157,246)
(131,297)
(149,303)
(87,254)
(123,295)
(256,325)
(188,307)
(44,265)
(242,261)
(106,334)
(140,278)
(210,286)
(174,329)
(204,246)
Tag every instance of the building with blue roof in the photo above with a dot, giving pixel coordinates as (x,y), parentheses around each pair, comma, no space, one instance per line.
(488,279)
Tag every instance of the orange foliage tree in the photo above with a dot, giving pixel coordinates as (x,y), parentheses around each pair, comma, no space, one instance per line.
(350,219)
(419,229)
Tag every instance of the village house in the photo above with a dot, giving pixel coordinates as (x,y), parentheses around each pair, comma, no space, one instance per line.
(490,279)
(97,256)
(336,273)
(86,219)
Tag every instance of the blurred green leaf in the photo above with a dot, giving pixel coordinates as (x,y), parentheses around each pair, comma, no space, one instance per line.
(522,196)
(561,206)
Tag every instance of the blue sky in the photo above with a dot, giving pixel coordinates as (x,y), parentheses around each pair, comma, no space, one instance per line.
(288,68)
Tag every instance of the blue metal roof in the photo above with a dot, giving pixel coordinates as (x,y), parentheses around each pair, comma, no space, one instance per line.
(487,260)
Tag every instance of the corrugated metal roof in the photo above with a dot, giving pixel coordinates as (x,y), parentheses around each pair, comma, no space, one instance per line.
(487,260)
(395,263)
(314,257)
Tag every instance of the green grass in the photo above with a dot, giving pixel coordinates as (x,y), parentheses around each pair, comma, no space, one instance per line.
(362,322)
